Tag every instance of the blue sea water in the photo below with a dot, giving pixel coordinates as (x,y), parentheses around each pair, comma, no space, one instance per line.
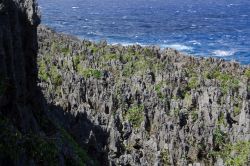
(218,28)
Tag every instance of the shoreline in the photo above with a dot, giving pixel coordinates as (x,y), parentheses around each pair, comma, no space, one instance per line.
(215,58)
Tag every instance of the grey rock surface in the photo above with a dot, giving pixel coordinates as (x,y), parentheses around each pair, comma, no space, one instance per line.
(158,107)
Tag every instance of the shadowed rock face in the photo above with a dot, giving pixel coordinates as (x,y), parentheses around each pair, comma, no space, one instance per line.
(18,69)
(158,106)
(29,134)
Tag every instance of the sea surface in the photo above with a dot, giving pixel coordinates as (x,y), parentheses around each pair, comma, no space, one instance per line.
(218,28)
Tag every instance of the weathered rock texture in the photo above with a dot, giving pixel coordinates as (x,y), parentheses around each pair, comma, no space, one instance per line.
(28,136)
(157,107)
(114,105)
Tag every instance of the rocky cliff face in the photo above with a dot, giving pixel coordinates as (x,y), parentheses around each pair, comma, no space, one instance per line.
(28,135)
(114,105)
(157,107)
(18,48)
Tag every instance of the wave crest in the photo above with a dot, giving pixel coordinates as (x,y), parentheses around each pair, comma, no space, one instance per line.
(223,53)
(179,47)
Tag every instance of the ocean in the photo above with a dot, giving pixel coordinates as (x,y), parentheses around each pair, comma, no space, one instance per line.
(216,28)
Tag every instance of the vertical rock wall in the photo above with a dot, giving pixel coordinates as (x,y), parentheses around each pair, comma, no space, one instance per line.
(18,69)
(28,136)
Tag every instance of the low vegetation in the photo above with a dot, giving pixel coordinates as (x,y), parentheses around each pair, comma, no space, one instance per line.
(49,73)
(193,83)
(165,157)
(247,73)
(135,115)
(158,89)
(236,154)
(132,76)
(219,138)
(89,72)
(227,81)
(42,149)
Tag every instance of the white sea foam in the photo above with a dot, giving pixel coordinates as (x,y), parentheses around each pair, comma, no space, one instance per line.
(93,33)
(194,42)
(191,11)
(122,43)
(129,44)
(223,53)
(244,15)
(179,47)
(75,7)
(232,5)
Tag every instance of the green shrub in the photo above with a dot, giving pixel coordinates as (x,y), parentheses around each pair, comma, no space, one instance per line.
(131,50)
(247,73)
(216,74)
(235,154)
(194,115)
(141,65)
(148,52)
(109,57)
(221,119)
(219,138)
(56,78)
(127,57)
(227,80)
(89,72)
(43,72)
(128,70)
(191,72)
(236,110)
(94,48)
(193,83)
(66,51)
(241,151)
(165,157)
(207,74)
(158,88)
(135,115)
(223,77)
(96,73)
(76,60)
